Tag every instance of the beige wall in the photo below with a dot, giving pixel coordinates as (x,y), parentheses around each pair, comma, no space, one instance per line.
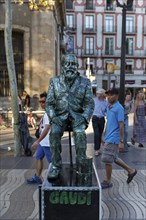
(40,34)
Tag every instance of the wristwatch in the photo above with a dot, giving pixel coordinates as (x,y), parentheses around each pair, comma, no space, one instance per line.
(122,141)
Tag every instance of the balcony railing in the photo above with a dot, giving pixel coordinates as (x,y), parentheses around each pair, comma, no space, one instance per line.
(107,52)
(112,29)
(129,72)
(71,29)
(89,52)
(89,30)
(131,30)
(130,52)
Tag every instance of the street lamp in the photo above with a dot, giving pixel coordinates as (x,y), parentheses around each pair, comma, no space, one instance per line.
(126,4)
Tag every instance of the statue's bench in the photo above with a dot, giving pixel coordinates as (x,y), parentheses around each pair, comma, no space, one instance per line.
(65,199)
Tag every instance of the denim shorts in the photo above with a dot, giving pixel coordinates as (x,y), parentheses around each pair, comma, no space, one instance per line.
(43,151)
(110,153)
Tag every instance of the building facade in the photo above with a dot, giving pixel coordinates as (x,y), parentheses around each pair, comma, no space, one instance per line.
(95,31)
(37,45)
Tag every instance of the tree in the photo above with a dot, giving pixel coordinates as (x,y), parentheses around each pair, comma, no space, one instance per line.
(33,5)
(12,76)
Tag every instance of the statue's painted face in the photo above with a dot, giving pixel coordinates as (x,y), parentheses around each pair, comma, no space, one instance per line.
(70,67)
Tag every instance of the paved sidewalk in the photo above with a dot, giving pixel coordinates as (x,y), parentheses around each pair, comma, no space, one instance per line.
(19,201)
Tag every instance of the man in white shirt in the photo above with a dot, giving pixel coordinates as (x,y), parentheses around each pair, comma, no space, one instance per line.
(42,144)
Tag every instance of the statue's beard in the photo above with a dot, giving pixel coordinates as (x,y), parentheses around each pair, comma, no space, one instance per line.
(70,74)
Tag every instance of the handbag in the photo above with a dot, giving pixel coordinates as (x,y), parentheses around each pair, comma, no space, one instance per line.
(37,133)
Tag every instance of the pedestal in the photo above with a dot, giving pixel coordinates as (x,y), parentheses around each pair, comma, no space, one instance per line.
(64,199)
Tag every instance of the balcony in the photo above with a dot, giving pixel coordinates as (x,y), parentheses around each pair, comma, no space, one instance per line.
(109,30)
(89,30)
(107,53)
(131,30)
(72,29)
(129,72)
(89,53)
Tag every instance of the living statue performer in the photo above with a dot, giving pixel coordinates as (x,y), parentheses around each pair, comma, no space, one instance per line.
(69,100)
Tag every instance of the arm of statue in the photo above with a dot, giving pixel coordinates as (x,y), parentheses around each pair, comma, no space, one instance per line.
(88,104)
(50,102)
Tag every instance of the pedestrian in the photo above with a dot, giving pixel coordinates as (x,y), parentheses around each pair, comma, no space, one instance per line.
(127,109)
(69,102)
(114,139)
(139,128)
(20,102)
(98,118)
(42,144)
(25,100)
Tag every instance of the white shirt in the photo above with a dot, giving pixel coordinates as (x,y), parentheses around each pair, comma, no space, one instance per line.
(44,121)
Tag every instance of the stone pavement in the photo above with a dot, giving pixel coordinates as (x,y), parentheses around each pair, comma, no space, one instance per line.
(19,201)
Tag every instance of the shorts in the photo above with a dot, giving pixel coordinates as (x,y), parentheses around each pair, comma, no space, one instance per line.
(43,151)
(110,153)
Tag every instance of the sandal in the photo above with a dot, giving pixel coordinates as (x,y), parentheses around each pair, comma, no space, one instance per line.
(130,176)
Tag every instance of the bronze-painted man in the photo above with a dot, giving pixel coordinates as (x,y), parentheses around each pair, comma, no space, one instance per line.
(69,100)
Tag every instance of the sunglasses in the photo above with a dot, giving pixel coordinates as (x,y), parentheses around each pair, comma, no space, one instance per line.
(42,101)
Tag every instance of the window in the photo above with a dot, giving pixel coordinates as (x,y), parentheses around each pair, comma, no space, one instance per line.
(130,3)
(109,5)
(69,19)
(109,23)
(89,45)
(69,4)
(70,45)
(129,46)
(89,4)
(89,22)
(18,51)
(109,46)
(129,67)
(90,65)
(129,24)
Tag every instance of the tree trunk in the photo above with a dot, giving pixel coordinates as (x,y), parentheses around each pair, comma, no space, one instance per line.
(12,77)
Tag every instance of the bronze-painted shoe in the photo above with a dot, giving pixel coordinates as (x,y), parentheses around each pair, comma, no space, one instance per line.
(53,172)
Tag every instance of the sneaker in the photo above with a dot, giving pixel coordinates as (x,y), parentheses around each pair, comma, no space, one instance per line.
(34,180)
(105,185)
(53,172)
(97,153)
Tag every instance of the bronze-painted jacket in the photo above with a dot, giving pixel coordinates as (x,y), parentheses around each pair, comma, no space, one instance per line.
(75,101)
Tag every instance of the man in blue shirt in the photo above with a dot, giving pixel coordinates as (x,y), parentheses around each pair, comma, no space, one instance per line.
(114,138)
